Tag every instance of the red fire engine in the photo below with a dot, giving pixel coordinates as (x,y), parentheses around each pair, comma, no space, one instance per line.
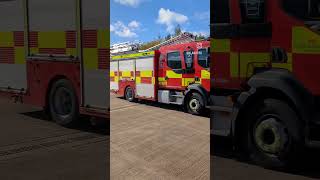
(54,54)
(174,74)
(265,84)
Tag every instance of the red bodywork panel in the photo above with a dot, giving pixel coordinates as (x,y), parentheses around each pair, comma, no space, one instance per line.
(124,84)
(305,65)
(40,75)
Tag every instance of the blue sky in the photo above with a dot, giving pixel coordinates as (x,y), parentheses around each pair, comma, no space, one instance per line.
(145,20)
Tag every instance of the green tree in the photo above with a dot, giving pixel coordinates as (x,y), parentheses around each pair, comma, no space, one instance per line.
(177,30)
(168,37)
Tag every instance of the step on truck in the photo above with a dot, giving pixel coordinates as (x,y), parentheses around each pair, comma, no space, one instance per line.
(55,54)
(265,84)
(174,74)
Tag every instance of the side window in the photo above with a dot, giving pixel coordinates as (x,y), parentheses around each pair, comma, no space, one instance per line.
(220,11)
(303,9)
(174,60)
(203,58)
(314,8)
(252,11)
(188,57)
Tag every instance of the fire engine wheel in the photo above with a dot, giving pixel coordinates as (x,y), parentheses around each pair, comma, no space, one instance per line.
(129,94)
(64,107)
(275,134)
(195,104)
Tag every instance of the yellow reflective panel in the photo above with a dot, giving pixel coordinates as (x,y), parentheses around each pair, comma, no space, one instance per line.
(220,45)
(6,39)
(126,73)
(287,65)
(131,56)
(205,74)
(146,73)
(249,61)
(90,58)
(172,74)
(138,80)
(234,65)
(304,41)
(187,81)
(19,55)
(52,39)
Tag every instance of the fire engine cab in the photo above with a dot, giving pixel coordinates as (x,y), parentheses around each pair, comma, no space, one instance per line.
(265,84)
(174,74)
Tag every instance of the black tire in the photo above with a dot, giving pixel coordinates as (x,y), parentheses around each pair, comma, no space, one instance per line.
(195,104)
(274,134)
(63,103)
(129,94)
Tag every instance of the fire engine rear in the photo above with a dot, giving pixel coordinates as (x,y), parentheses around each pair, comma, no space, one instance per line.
(54,54)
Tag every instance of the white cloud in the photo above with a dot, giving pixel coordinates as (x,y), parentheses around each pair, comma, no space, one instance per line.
(125,31)
(134,24)
(171,18)
(132,3)
(112,28)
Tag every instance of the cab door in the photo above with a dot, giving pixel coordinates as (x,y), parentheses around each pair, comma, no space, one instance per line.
(189,65)
(202,65)
(171,69)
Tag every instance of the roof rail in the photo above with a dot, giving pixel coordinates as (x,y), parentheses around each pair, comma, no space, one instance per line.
(182,38)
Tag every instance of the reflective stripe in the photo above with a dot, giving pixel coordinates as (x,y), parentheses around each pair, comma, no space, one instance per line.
(162,81)
(220,45)
(172,74)
(205,74)
(304,41)
(146,73)
(90,58)
(248,61)
(234,65)
(126,74)
(138,80)
(6,39)
(187,81)
(103,39)
(20,55)
(136,55)
(52,39)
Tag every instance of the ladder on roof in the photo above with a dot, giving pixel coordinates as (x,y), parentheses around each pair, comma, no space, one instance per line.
(182,38)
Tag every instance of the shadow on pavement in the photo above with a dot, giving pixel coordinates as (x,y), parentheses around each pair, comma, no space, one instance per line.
(308,167)
(164,106)
(101,126)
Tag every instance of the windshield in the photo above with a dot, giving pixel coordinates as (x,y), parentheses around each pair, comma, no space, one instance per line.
(308,10)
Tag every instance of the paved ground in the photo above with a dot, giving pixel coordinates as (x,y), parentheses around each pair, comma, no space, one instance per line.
(32,147)
(225,166)
(153,141)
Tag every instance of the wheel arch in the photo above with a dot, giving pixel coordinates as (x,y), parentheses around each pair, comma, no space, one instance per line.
(198,89)
(126,87)
(278,84)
